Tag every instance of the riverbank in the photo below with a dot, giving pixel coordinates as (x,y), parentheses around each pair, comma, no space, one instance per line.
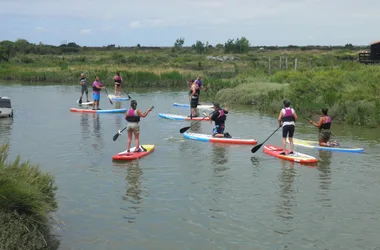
(27,197)
(351,92)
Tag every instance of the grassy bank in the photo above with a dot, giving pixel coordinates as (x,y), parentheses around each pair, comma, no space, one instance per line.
(26,200)
(350,91)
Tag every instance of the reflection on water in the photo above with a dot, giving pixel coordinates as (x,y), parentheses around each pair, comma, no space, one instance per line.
(324,176)
(133,192)
(287,196)
(5,129)
(119,120)
(196,126)
(219,154)
(84,125)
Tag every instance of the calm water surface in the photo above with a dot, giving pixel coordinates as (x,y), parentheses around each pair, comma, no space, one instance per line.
(189,194)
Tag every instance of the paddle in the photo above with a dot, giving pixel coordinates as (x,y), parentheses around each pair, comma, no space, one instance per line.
(127,93)
(120,131)
(257,147)
(108,96)
(184,129)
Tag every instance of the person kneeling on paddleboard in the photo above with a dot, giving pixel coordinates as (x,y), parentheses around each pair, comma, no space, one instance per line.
(133,118)
(324,125)
(219,117)
(286,120)
(96,87)
(193,97)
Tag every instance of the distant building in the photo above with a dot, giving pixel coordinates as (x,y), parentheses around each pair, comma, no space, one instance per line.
(373,56)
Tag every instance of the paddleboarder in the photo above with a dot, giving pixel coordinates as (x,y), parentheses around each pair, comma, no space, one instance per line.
(84,89)
(193,98)
(219,117)
(132,116)
(324,125)
(286,120)
(118,81)
(97,86)
(199,82)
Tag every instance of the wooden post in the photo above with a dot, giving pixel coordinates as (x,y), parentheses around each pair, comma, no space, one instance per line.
(269,70)
(286,62)
(280,62)
(295,63)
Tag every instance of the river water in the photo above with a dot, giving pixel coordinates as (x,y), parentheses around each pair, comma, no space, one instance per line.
(190,194)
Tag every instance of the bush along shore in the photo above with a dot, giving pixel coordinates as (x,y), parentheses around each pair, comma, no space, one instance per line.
(27,198)
(351,92)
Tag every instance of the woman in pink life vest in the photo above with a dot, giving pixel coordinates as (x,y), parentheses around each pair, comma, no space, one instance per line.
(118,80)
(286,120)
(324,125)
(133,118)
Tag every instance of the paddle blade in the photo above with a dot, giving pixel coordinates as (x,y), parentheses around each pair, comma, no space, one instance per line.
(255,148)
(116,135)
(80,100)
(110,101)
(183,130)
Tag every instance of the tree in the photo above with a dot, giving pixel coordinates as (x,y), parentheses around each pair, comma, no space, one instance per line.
(199,47)
(242,45)
(179,43)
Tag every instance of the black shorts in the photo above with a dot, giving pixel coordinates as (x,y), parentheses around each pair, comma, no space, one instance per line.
(288,130)
(84,89)
(198,91)
(194,103)
(117,84)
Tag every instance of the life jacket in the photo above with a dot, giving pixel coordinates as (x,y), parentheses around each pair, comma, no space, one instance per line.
(117,79)
(195,96)
(94,87)
(327,123)
(221,118)
(132,116)
(288,115)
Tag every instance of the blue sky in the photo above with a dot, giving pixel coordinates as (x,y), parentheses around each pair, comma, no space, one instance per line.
(161,22)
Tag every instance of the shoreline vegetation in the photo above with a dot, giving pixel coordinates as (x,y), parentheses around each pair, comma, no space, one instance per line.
(27,198)
(312,77)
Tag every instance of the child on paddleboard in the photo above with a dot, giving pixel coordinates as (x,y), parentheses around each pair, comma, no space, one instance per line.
(286,120)
(132,116)
(324,125)
(219,117)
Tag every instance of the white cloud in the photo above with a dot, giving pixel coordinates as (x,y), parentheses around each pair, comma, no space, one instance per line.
(85,31)
(41,29)
(134,24)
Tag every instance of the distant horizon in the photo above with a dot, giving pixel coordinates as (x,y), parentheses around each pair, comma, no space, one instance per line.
(184,46)
(153,23)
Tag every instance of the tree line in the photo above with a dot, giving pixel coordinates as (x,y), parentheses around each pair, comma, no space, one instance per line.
(9,49)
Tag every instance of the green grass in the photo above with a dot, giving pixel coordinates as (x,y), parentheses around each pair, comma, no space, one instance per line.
(27,198)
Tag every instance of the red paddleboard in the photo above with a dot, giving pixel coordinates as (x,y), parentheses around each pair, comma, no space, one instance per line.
(295,157)
(125,156)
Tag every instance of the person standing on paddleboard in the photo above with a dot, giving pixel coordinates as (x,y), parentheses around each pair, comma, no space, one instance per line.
(97,86)
(286,119)
(199,82)
(193,97)
(118,81)
(219,117)
(324,125)
(84,89)
(132,116)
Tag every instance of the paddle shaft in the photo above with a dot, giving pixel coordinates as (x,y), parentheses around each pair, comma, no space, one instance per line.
(255,148)
(105,89)
(184,129)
